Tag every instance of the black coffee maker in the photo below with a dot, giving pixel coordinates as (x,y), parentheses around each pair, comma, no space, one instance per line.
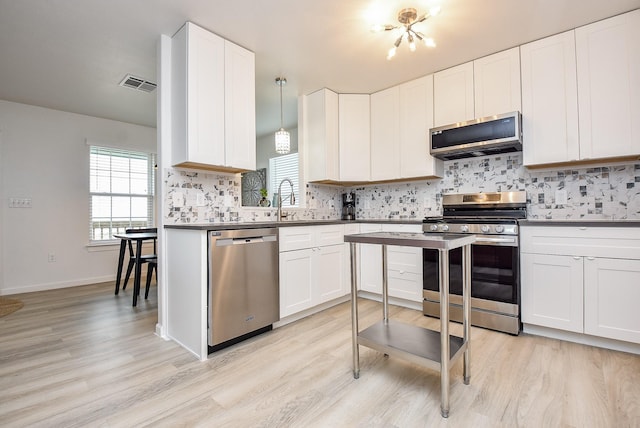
(348,206)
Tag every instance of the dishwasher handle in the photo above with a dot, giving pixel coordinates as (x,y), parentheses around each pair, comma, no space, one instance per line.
(244,241)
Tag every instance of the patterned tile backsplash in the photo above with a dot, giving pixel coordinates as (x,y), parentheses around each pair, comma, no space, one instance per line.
(588,193)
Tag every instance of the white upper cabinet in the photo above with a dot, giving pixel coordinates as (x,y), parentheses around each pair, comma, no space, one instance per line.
(453,95)
(197,96)
(385,134)
(240,107)
(608,58)
(213,102)
(496,82)
(416,118)
(354,125)
(549,100)
(320,118)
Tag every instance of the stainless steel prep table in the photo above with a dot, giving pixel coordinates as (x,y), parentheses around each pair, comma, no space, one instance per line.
(432,349)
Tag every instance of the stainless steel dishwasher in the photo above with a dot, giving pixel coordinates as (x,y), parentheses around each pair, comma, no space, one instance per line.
(244,297)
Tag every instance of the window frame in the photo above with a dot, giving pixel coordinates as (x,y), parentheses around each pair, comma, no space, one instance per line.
(119,226)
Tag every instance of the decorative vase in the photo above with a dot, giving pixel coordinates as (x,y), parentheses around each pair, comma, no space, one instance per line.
(264,202)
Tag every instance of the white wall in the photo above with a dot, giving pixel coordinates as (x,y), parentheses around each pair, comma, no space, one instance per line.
(44,156)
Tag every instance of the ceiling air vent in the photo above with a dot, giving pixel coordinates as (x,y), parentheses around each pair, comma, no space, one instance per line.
(137,83)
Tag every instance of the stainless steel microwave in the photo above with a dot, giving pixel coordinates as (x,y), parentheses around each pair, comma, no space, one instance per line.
(479,137)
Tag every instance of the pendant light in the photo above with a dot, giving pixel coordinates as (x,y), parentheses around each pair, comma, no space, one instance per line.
(282,136)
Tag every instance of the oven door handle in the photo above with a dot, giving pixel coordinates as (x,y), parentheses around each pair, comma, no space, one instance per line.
(512,241)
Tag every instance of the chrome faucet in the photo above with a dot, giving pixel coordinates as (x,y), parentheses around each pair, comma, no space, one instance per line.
(292,198)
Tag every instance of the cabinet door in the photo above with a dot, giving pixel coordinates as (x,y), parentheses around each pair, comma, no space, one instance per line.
(385,138)
(552,291)
(355,142)
(296,283)
(240,108)
(496,82)
(328,266)
(370,262)
(549,100)
(611,296)
(416,118)
(608,58)
(320,116)
(453,95)
(197,97)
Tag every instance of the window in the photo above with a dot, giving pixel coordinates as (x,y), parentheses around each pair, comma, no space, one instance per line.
(121,191)
(282,167)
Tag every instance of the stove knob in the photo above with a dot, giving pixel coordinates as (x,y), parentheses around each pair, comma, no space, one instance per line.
(444,227)
(464,228)
(433,227)
(484,228)
(499,229)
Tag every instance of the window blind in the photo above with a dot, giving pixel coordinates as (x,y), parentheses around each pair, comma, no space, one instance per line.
(121,191)
(282,167)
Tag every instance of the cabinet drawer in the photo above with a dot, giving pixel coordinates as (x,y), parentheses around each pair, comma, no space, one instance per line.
(329,235)
(612,242)
(296,238)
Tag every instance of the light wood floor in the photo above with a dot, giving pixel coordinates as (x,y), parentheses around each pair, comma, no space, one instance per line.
(84,357)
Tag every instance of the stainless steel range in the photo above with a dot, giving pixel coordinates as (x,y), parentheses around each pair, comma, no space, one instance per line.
(495,266)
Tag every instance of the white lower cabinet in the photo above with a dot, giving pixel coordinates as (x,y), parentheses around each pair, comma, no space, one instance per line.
(315,273)
(404,265)
(611,296)
(552,291)
(582,280)
(370,262)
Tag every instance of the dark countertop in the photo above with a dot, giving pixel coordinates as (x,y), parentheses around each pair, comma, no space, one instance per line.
(581,223)
(285,223)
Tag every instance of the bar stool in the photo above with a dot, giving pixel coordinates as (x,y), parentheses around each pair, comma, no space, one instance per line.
(153,265)
(144,258)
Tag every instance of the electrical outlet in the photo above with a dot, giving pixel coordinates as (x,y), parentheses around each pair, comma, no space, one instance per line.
(19,202)
(561,197)
(200,200)
(51,258)
(367,205)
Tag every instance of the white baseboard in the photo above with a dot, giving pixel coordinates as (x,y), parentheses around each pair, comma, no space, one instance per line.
(56,285)
(585,339)
(64,284)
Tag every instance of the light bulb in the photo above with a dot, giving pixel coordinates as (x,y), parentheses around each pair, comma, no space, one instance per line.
(412,43)
(376,28)
(434,10)
(392,53)
(430,42)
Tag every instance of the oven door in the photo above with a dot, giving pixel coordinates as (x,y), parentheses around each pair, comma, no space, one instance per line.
(495,279)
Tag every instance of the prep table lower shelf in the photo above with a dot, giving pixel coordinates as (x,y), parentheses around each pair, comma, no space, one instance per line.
(415,344)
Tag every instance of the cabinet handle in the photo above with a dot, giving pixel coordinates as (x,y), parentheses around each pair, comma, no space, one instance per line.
(591,258)
(401,272)
(576,258)
(583,228)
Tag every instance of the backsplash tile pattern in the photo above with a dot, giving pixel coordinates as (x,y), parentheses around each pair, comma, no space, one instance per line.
(603,192)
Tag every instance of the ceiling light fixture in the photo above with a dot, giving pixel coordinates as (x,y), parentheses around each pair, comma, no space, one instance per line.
(408,18)
(282,136)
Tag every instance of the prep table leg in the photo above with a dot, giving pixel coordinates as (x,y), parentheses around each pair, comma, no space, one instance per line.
(385,287)
(466,310)
(444,332)
(354,311)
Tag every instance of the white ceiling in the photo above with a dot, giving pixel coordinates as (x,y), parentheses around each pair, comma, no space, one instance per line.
(71,54)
